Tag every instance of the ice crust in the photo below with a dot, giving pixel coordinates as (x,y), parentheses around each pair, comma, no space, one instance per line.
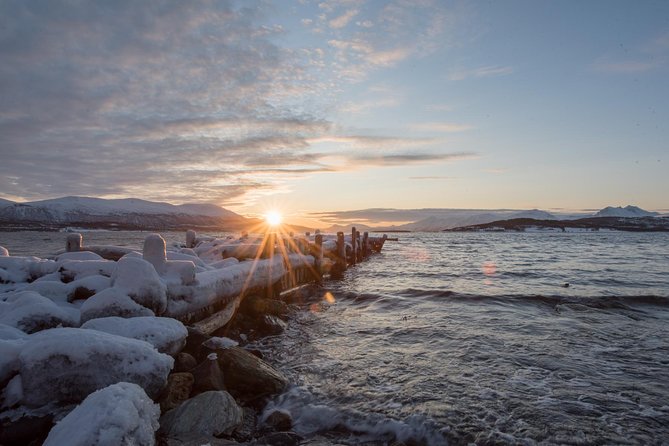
(120,414)
(167,335)
(67,364)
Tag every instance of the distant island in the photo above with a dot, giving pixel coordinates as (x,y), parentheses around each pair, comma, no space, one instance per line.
(591,224)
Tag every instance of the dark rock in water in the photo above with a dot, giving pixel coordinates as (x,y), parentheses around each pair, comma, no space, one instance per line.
(194,343)
(196,440)
(25,431)
(280,439)
(269,325)
(248,376)
(178,389)
(209,413)
(258,306)
(184,362)
(279,420)
(246,431)
(208,375)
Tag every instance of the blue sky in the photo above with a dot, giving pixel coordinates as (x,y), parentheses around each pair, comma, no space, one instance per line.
(337,105)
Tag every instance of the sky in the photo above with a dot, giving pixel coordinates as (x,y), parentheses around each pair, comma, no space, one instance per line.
(322,106)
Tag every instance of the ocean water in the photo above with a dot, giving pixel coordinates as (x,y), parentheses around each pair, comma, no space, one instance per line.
(475,339)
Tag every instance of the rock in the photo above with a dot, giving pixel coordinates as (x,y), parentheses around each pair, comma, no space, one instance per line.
(167,335)
(65,365)
(121,414)
(269,325)
(112,302)
(279,420)
(208,376)
(280,439)
(194,343)
(31,312)
(178,389)
(184,362)
(209,413)
(247,429)
(248,376)
(259,306)
(25,430)
(139,279)
(197,440)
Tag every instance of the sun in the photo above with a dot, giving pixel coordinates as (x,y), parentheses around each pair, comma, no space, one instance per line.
(273,218)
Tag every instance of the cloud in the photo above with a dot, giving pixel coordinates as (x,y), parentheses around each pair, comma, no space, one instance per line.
(441,127)
(628,66)
(343,19)
(432,178)
(481,72)
(410,158)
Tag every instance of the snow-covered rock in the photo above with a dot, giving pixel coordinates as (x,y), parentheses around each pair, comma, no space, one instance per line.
(3,252)
(31,312)
(78,269)
(9,358)
(24,269)
(87,287)
(67,364)
(139,279)
(120,414)
(209,413)
(78,255)
(9,333)
(165,334)
(112,302)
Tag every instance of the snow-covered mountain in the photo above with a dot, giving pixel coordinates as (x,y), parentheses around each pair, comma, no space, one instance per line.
(625,212)
(453,218)
(127,212)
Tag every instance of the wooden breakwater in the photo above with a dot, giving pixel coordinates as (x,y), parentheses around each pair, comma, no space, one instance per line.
(208,278)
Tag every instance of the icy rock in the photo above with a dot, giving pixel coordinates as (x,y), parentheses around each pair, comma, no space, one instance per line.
(112,302)
(215,343)
(12,394)
(53,289)
(78,269)
(209,413)
(165,334)
(3,252)
(9,358)
(87,287)
(9,333)
(78,255)
(31,312)
(24,269)
(139,279)
(67,364)
(121,414)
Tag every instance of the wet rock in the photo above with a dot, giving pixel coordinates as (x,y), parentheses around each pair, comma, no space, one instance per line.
(269,325)
(184,362)
(208,375)
(259,306)
(279,439)
(279,420)
(178,389)
(196,440)
(25,430)
(247,429)
(248,376)
(209,413)
(194,343)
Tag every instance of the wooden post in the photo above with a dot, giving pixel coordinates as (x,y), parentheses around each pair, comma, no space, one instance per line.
(191,236)
(73,242)
(359,245)
(340,265)
(365,244)
(318,256)
(354,255)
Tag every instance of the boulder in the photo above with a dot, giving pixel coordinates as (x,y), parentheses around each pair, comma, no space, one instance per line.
(249,376)
(139,279)
(31,312)
(194,343)
(183,362)
(112,302)
(121,414)
(279,420)
(259,306)
(209,413)
(270,325)
(178,389)
(65,365)
(208,375)
(167,335)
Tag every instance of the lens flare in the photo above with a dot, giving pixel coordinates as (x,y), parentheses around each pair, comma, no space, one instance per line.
(273,218)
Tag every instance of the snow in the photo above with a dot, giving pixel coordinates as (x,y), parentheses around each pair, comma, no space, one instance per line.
(112,302)
(219,343)
(165,334)
(139,280)
(120,414)
(3,251)
(24,269)
(9,358)
(31,312)
(12,394)
(67,364)
(77,255)
(89,285)
(77,269)
(9,333)
(626,212)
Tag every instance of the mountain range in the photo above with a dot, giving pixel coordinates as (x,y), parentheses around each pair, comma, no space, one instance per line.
(133,213)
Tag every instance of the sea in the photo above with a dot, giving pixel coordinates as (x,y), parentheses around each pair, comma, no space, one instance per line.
(474,338)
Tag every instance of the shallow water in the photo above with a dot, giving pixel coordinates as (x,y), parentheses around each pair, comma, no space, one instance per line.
(473,338)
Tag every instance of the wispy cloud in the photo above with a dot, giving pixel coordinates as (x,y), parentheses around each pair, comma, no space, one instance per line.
(344,19)
(432,178)
(441,127)
(480,72)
